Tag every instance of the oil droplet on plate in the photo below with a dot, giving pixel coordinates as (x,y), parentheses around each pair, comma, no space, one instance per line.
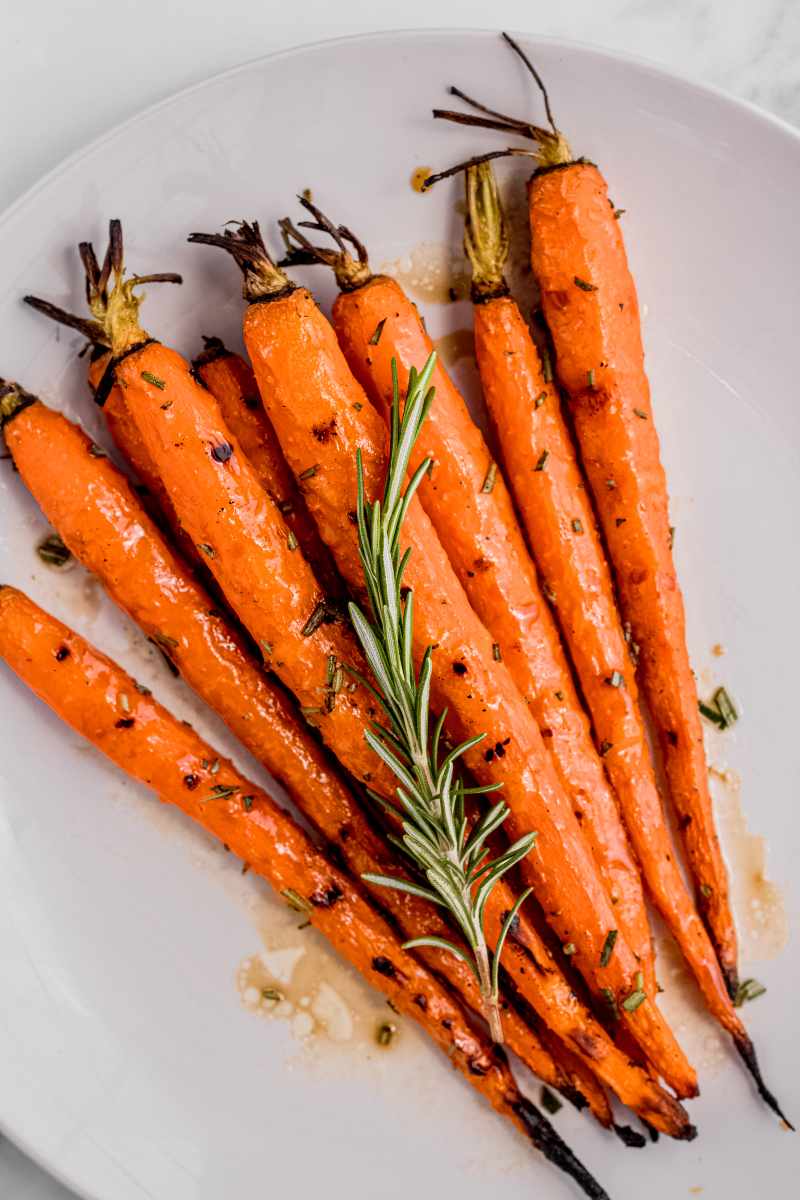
(418,177)
(296,978)
(453,347)
(432,272)
(758,902)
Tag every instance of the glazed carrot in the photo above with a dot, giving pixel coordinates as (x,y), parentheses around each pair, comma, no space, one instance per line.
(99,518)
(558,516)
(589,301)
(230,380)
(275,596)
(318,409)
(380,331)
(101,702)
(120,424)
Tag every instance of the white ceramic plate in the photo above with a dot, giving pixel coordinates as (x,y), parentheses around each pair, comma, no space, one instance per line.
(128,1064)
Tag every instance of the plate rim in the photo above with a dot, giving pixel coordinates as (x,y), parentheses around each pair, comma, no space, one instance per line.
(641,63)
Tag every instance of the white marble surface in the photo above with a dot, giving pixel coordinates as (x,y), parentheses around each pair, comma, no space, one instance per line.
(71,71)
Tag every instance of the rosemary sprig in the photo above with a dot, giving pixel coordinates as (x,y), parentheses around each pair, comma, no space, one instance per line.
(437,834)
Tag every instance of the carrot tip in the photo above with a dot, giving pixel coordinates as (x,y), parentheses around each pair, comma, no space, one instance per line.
(630,1137)
(747,1052)
(555,1149)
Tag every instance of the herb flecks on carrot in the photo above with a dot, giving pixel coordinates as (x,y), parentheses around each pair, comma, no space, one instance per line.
(158,750)
(485,545)
(310,397)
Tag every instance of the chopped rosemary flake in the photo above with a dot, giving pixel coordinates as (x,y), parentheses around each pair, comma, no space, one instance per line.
(247,802)
(209,551)
(748,989)
(53,551)
(608,947)
(142,690)
(295,900)
(641,415)
(154,380)
(376,337)
(221,791)
(164,641)
(632,1002)
(491,476)
(387,1030)
(615,679)
(569,949)
(266,647)
(97,451)
(331,669)
(550,1103)
(711,714)
(577,525)
(611,1001)
(308,710)
(291,540)
(549,593)
(671,541)
(638,981)
(541,460)
(611,484)
(547,365)
(272,995)
(337,681)
(124,702)
(358,406)
(590,377)
(706,889)
(315,620)
(604,748)
(583,285)
(496,652)
(540,399)
(725,707)
(215,767)
(559,695)
(618,212)
(309,472)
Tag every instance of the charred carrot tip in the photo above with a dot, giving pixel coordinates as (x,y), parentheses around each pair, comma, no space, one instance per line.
(555,1149)
(747,1053)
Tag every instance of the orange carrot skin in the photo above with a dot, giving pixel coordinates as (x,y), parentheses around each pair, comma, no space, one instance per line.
(573,563)
(101,521)
(127,439)
(224,504)
(574,233)
(86,689)
(230,380)
(324,412)
(245,544)
(489,556)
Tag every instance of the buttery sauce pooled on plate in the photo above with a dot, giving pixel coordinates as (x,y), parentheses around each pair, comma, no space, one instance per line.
(296,978)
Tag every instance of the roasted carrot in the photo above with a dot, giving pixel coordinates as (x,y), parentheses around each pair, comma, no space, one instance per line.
(275,596)
(230,380)
(558,516)
(589,301)
(99,518)
(101,702)
(121,426)
(318,409)
(380,332)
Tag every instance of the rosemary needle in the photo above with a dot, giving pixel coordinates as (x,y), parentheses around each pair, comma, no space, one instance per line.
(436,832)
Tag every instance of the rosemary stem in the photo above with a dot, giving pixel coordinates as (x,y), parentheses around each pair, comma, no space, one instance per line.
(491,1009)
